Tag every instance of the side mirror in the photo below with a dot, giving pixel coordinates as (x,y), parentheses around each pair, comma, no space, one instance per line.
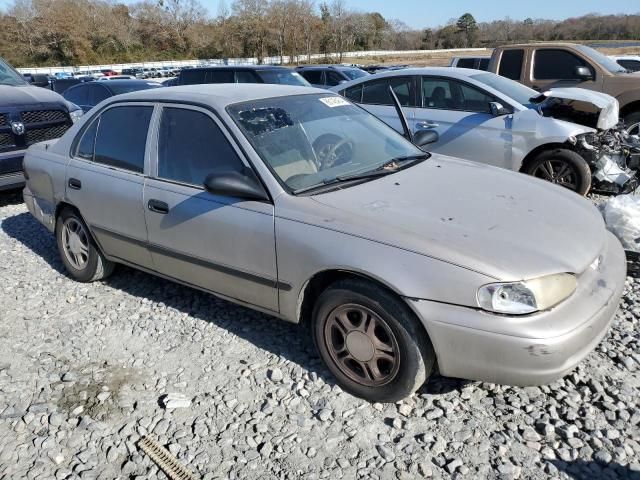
(497,109)
(583,73)
(40,80)
(424,137)
(235,184)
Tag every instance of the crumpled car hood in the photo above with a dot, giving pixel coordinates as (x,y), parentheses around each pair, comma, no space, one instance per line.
(503,224)
(575,103)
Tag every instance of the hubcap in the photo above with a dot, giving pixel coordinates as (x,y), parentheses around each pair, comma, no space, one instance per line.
(362,345)
(634,129)
(75,243)
(558,172)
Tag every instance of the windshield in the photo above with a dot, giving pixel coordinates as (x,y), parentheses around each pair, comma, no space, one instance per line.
(284,77)
(353,73)
(9,76)
(119,88)
(310,140)
(510,88)
(602,59)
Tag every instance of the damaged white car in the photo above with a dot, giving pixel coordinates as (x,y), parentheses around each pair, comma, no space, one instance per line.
(568,136)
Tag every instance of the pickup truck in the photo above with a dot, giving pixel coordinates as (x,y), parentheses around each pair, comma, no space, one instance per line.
(28,114)
(543,66)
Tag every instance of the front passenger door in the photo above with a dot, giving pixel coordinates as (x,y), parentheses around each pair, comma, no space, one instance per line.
(222,244)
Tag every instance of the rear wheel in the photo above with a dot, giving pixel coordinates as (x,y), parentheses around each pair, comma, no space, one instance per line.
(80,254)
(371,341)
(563,167)
(632,123)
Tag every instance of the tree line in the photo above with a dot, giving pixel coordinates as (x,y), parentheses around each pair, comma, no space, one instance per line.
(80,32)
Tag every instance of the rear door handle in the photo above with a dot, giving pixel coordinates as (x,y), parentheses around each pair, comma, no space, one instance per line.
(75,183)
(158,206)
(427,125)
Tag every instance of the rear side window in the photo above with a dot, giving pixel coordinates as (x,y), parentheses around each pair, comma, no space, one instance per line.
(550,64)
(377,92)
(220,76)
(484,64)
(511,64)
(78,95)
(466,63)
(97,93)
(246,76)
(192,77)
(333,78)
(353,93)
(191,146)
(312,76)
(632,65)
(122,136)
(87,142)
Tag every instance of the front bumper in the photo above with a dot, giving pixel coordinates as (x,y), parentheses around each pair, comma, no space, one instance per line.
(11,170)
(534,349)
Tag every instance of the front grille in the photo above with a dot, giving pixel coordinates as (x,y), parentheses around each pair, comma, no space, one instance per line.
(3,120)
(35,135)
(11,165)
(6,140)
(38,116)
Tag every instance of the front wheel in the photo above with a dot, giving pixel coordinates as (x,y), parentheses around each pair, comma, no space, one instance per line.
(632,123)
(80,254)
(371,341)
(563,167)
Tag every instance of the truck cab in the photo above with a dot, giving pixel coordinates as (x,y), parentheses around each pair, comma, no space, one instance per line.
(543,66)
(28,115)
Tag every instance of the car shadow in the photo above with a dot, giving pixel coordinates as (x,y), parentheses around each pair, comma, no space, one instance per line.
(588,470)
(289,341)
(11,197)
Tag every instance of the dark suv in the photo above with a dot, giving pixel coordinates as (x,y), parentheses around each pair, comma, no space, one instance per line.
(28,114)
(240,74)
(326,76)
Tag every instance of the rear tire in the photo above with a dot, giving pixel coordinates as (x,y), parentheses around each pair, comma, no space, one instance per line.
(80,255)
(563,167)
(371,341)
(632,123)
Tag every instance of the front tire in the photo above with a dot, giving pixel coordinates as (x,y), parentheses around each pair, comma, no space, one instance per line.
(632,123)
(80,254)
(371,341)
(563,167)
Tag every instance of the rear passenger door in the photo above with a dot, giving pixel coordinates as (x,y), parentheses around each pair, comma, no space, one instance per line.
(105,180)
(461,114)
(374,96)
(222,244)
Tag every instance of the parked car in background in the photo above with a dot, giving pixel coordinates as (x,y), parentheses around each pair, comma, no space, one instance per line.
(227,188)
(241,74)
(483,117)
(542,66)
(108,72)
(629,62)
(325,76)
(88,95)
(134,72)
(170,82)
(28,114)
(60,75)
(382,68)
(477,63)
(60,85)
(117,77)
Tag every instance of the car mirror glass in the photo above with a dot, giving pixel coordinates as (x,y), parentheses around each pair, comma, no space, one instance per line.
(497,109)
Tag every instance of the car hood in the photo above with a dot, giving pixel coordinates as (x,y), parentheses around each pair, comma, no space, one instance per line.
(593,109)
(503,224)
(28,95)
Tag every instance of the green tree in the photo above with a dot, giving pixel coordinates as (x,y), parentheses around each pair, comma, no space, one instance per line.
(468,27)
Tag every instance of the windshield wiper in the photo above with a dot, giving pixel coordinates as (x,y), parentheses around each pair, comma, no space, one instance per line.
(387,168)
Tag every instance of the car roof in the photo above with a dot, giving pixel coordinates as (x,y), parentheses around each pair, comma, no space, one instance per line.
(321,66)
(443,71)
(218,95)
(240,67)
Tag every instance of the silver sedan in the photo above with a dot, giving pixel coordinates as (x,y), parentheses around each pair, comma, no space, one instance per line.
(295,202)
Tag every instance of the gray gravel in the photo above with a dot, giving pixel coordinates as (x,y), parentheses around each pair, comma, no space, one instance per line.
(87,369)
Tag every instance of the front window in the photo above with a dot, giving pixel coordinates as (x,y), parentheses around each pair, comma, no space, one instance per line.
(556,64)
(606,62)
(284,77)
(511,89)
(313,140)
(9,76)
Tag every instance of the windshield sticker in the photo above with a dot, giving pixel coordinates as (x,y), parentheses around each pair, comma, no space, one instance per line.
(334,102)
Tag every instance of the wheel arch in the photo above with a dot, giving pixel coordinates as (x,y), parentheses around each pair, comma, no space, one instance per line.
(543,148)
(629,108)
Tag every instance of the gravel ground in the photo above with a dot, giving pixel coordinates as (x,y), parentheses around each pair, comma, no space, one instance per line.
(86,370)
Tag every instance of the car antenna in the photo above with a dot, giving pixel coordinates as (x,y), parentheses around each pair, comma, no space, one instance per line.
(403,120)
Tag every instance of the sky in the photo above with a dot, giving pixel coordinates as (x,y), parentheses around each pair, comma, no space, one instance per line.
(433,13)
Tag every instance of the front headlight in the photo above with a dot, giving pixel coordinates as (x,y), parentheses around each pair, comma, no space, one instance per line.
(527,296)
(75,115)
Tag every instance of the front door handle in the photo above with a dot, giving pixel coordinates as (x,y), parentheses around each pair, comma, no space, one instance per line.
(427,125)
(158,207)
(75,183)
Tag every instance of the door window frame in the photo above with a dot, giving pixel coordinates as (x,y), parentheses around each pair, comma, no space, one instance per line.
(98,117)
(413,94)
(587,63)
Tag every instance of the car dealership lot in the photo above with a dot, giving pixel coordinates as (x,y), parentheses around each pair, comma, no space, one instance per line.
(84,369)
